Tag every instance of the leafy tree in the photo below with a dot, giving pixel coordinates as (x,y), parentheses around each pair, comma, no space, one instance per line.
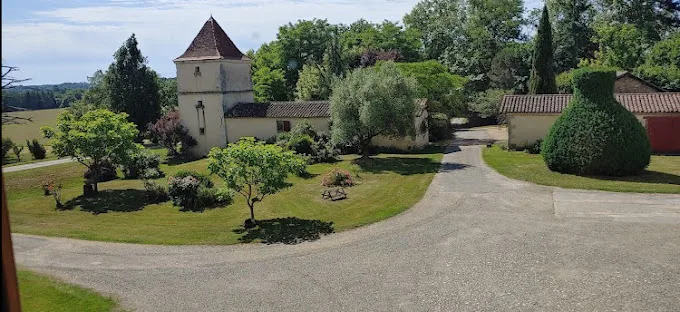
(371,102)
(439,24)
(510,68)
(304,42)
(97,96)
(132,86)
(573,31)
(653,18)
(542,79)
(269,85)
(254,169)
(621,45)
(315,83)
(445,91)
(168,93)
(96,137)
(490,26)
(595,134)
(269,82)
(169,132)
(485,104)
(662,64)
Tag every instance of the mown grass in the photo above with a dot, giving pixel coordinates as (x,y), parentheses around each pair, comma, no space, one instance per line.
(41,293)
(387,184)
(19,133)
(662,175)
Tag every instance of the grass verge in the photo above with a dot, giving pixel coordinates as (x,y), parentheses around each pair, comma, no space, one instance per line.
(662,175)
(41,293)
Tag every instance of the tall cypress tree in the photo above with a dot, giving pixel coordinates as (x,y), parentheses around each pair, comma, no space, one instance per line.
(132,86)
(542,79)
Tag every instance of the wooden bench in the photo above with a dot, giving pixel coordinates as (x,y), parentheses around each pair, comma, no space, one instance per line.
(337,194)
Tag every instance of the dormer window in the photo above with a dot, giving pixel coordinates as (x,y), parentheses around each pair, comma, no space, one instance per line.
(197,71)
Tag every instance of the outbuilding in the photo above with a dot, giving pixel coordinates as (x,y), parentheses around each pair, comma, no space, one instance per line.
(529,117)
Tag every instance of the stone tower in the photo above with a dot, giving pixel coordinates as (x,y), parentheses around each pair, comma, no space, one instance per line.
(212,76)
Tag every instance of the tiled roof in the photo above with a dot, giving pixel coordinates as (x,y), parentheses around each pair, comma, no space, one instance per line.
(660,102)
(211,43)
(301,109)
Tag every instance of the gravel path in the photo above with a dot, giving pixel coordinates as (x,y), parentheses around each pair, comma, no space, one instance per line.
(37,165)
(477,241)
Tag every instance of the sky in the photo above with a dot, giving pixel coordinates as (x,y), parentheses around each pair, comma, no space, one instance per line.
(55,41)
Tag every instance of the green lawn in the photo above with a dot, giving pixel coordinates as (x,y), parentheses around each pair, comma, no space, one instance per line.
(387,185)
(40,293)
(19,133)
(662,175)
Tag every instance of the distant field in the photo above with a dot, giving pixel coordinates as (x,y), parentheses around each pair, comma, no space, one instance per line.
(31,130)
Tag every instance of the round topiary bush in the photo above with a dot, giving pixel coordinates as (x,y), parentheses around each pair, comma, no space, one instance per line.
(595,134)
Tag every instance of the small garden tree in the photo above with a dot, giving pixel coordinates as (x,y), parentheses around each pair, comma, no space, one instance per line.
(171,134)
(254,169)
(371,102)
(96,137)
(595,134)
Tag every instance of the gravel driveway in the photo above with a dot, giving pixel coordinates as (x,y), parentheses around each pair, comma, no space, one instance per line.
(476,242)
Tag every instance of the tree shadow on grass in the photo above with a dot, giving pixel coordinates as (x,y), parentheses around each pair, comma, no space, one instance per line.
(400,165)
(287,231)
(112,200)
(646,176)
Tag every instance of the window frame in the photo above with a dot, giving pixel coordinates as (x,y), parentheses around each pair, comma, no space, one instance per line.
(283,126)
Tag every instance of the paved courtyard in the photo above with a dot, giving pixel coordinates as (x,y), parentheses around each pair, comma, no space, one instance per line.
(476,242)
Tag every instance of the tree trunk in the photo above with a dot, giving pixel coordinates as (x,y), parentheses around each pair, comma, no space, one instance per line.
(252,213)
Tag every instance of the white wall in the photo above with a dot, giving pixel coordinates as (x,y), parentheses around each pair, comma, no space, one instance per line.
(264,128)
(220,85)
(422,138)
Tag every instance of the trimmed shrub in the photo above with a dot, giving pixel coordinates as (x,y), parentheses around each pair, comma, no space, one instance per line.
(36,149)
(535,148)
(595,134)
(143,165)
(202,178)
(337,177)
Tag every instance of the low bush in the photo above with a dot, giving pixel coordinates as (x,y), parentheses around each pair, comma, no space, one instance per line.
(193,191)
(301,144)
(7,144)
(143,165)
(156,192)
(107,172)
(535,148)
(169,132)
(37,150)
(337,177)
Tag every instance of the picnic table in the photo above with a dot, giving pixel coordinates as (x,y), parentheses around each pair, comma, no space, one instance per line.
(334,194)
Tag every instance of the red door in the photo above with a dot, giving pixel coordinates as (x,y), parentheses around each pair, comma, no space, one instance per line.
(664,133)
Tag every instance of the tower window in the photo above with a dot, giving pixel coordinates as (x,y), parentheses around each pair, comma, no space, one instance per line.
(197,71)
(283,126)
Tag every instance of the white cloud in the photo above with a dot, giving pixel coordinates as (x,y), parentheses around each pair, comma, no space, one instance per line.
(91,33)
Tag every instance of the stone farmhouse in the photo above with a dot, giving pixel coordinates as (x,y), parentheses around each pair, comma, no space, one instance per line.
(529,117)
(216,100)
